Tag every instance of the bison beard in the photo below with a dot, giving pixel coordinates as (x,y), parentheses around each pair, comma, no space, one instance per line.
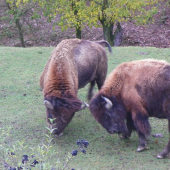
(133,92)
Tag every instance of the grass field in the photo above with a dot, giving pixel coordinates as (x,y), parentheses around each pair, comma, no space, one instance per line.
(21,107)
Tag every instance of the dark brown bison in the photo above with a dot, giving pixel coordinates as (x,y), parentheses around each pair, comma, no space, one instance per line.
(132,93)
(72,64)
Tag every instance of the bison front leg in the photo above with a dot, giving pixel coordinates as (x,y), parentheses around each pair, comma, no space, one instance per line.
(130,126)
(142,125)
(142,142)
(166,150)
(90,92)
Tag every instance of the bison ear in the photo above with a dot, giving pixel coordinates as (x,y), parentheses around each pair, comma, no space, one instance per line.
(48,104)
(108,103)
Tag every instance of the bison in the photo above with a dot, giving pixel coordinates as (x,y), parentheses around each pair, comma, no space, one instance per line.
(132,93)
(72,65)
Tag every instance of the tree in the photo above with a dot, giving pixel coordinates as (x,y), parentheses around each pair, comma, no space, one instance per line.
(71,11)
(18,9)
(116,11)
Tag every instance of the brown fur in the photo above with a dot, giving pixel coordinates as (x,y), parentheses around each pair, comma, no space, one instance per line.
(89,57)
(138,90)
(72,65)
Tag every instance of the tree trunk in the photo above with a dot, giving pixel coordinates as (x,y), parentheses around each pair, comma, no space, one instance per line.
(113,39)
(78,32)
(14,12)
(107,25)
(108,32)
(118,35)
(21,37)
(78,26)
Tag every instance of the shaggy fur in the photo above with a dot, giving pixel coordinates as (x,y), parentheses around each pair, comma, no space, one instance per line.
(72,65)
(142,89)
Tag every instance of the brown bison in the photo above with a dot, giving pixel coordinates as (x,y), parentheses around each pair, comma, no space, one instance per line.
(72,65)
(133,92)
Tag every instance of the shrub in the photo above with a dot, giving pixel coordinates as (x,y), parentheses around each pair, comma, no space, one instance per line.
(40,157)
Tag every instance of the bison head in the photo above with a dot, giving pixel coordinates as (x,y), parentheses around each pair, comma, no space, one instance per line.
(109,113)
(61,110)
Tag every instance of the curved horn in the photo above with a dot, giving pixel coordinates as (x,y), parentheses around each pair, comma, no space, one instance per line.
(48,104)
(84,105)
(108,103)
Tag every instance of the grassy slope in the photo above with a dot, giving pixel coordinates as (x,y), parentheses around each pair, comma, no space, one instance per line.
(21,107)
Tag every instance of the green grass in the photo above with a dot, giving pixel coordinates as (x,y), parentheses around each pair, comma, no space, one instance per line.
(21,106)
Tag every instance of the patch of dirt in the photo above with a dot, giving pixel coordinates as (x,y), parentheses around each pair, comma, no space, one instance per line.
(41,33)
(156,34)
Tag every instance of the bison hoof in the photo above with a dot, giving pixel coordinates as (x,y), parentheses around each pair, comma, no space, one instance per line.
(124,137)
(162,155)
(61,134)
(141,148)
(159,156)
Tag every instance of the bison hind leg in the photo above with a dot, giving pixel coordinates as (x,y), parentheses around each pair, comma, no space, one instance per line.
(166,150)
(100,81)
(90,92)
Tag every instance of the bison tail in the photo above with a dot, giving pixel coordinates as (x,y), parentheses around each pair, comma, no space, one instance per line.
(106,43)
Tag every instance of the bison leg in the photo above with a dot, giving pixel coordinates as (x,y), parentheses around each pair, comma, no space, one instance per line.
(90,92)
(166,106)
(130,127)
(100,81)
(166,150)
(142,125)
(142,142)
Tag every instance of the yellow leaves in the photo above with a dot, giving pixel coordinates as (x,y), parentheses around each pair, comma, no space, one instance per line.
(41,3)
(78,25)
(77,13)
(18,2)
(9,1)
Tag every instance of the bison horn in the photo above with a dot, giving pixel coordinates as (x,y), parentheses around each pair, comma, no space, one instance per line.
(48,104)
(108,103)
(84,105)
